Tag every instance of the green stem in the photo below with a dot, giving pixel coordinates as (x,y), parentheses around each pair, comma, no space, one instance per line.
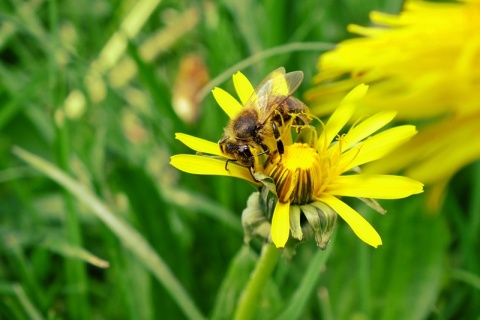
(251,60)
(248,302)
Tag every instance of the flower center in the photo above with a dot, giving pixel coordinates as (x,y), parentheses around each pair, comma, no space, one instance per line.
(296,173)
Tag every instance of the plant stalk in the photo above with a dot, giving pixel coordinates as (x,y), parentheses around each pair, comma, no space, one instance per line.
(248,302)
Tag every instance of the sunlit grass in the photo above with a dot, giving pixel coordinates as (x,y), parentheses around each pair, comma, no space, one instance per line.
(95,223)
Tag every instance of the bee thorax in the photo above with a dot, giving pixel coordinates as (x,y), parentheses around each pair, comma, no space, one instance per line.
(245,126)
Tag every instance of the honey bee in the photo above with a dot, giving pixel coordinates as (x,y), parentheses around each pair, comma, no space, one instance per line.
(257,125)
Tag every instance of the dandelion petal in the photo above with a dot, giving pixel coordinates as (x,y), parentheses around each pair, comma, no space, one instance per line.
(336,122)
(199,144)
(377,146)
(228,103)
(359,225)
(367,127)
(208,166)
(355,94)
(281,224)
(374,186)
(243,87)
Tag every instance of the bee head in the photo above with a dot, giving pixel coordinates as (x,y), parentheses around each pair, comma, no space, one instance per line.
(242,153)
(238,150)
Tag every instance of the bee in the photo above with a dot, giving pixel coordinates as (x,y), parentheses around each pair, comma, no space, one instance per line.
(257,125)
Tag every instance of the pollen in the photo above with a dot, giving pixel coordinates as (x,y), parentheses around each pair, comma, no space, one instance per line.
(296,173)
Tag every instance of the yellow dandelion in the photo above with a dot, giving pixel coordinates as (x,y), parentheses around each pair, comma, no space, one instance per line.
(425,64)
(313,172)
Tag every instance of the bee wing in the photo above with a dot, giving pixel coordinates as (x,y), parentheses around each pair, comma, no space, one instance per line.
(273,90)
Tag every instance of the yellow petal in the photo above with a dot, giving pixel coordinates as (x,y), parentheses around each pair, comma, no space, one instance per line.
(198,144)
(367,128)
(341,115)
(432,146)
(243,87)
(359,225)
(355,94)
(336,122)
(374,186)
(376,146)
(281,224)
(228,103)
(209,166)
(452,157)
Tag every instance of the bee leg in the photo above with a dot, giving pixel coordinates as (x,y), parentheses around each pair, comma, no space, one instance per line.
(226,163)
(280,147)
(251,173)
(276,134)
(265,149)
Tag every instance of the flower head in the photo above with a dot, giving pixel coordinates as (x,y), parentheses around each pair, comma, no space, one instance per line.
(315,170)
(423,63)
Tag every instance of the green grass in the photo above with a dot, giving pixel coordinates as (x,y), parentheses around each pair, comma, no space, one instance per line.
(95,223)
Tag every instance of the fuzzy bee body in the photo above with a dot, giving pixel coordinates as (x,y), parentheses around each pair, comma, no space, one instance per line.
(257,125)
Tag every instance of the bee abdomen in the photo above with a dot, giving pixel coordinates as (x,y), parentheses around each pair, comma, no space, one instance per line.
(292,107)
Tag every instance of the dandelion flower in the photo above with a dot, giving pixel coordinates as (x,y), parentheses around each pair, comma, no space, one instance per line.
(316,170)
(425,64)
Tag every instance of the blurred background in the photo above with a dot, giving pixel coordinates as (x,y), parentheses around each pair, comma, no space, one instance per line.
(99,89)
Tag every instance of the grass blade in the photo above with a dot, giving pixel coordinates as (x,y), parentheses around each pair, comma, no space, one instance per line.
(72,251)
(32,312)
(308,284)
(129,236)
(287,48)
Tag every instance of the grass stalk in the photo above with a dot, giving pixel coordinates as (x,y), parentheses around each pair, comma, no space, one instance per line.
(128,235)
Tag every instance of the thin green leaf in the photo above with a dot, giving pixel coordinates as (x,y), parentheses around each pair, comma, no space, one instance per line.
(290,47)
(297,302)
(68,250)
(467,277)
(30,309)
(11,107)
(199,203)
(129,236)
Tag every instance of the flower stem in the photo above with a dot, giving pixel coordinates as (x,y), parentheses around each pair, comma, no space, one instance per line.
(249,299)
